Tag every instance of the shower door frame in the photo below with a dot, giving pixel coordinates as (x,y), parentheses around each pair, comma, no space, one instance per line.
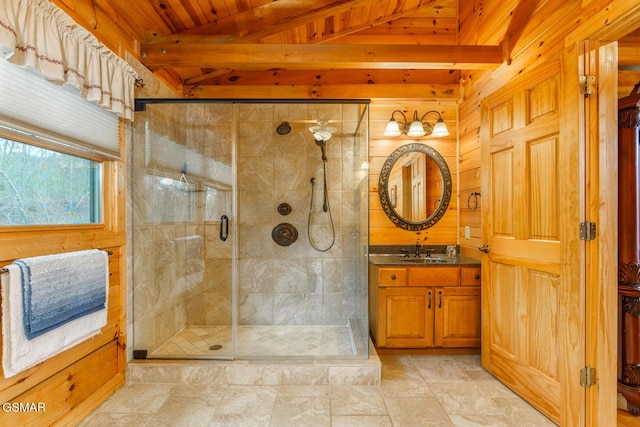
(140,106)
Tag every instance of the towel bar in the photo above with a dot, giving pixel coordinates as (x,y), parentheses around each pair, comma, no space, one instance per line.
(6,270)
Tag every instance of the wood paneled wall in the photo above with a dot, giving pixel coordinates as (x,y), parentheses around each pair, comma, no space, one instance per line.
(101,19)
(628,63)
(469,166)
(74,382)
(381,230)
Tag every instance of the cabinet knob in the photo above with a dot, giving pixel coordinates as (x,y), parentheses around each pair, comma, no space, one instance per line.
(477,276)
(393,277)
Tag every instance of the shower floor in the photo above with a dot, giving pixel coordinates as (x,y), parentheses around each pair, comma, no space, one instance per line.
(259,341)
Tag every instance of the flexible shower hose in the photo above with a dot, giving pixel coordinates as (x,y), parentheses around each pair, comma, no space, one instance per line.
(326,208)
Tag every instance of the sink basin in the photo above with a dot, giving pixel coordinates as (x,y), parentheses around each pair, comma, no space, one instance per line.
(421,260)
(401,259)
(430,260)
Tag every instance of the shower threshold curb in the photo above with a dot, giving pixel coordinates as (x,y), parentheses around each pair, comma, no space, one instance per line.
(263,371)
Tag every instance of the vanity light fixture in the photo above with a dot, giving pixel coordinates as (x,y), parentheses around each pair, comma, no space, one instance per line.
(417,127)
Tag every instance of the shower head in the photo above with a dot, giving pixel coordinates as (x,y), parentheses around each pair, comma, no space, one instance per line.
(283,128)
(321,132)
(322,135)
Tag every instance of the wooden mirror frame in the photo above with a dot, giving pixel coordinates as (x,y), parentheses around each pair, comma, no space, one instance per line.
(384,191)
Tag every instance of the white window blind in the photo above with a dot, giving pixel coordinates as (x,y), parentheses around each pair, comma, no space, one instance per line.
(33,105)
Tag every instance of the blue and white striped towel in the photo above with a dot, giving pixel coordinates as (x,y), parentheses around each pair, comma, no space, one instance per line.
(57,289)
(20,353)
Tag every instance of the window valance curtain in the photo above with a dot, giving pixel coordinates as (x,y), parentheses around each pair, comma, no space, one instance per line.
(40,35)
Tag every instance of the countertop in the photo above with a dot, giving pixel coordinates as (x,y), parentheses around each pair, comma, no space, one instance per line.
(438,261)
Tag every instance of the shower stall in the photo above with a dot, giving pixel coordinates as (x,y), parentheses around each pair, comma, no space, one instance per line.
(249,229)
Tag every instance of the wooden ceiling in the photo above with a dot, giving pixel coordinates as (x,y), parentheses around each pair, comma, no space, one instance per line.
(398,49)
(202,45)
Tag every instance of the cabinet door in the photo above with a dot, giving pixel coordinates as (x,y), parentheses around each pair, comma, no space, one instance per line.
(406,317)
(457,317)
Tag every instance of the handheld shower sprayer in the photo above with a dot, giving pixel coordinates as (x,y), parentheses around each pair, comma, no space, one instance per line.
(323,147)
(322,133)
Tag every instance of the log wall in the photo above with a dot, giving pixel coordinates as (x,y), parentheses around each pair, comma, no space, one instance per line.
(381,230)
(73,383)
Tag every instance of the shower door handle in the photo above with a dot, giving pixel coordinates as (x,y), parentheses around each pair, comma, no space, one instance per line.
(224,227)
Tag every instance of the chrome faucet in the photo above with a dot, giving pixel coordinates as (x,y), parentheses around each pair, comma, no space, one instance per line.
(418,246)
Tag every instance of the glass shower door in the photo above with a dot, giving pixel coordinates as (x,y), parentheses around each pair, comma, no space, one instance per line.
(304,296)
(182,231)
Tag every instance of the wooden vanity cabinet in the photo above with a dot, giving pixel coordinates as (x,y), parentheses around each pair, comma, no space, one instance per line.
(423,307)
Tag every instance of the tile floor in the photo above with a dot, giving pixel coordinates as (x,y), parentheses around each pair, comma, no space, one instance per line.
(281,340)
(414,391)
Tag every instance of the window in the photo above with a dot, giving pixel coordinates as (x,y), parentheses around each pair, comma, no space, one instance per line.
(44,187)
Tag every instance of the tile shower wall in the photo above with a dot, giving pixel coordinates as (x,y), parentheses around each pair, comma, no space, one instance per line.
(168,231)
(181,268)
(296,284)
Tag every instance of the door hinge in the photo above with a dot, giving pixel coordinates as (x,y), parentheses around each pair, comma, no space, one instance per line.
(587,85)
(587,377)
(587,230)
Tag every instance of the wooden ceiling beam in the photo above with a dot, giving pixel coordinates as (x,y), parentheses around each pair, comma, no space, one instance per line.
(320,56)
(384,91)
(324,77)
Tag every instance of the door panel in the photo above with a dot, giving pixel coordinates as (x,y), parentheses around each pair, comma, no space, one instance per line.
(543,330)
(521,343)
(502,202)
(543,191)
(504,296)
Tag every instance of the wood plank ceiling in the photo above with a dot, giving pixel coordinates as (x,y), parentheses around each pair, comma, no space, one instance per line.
(392,46)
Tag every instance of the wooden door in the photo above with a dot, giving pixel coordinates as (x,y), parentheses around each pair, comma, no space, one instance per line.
(418,188)
(406,317)
(525,289)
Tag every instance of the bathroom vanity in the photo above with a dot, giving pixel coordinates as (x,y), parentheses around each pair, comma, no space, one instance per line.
(419,297)
(424,302)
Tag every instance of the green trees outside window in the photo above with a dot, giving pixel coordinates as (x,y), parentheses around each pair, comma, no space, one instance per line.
(44,187)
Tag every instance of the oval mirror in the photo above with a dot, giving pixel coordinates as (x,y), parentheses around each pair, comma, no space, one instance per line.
(415,187)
